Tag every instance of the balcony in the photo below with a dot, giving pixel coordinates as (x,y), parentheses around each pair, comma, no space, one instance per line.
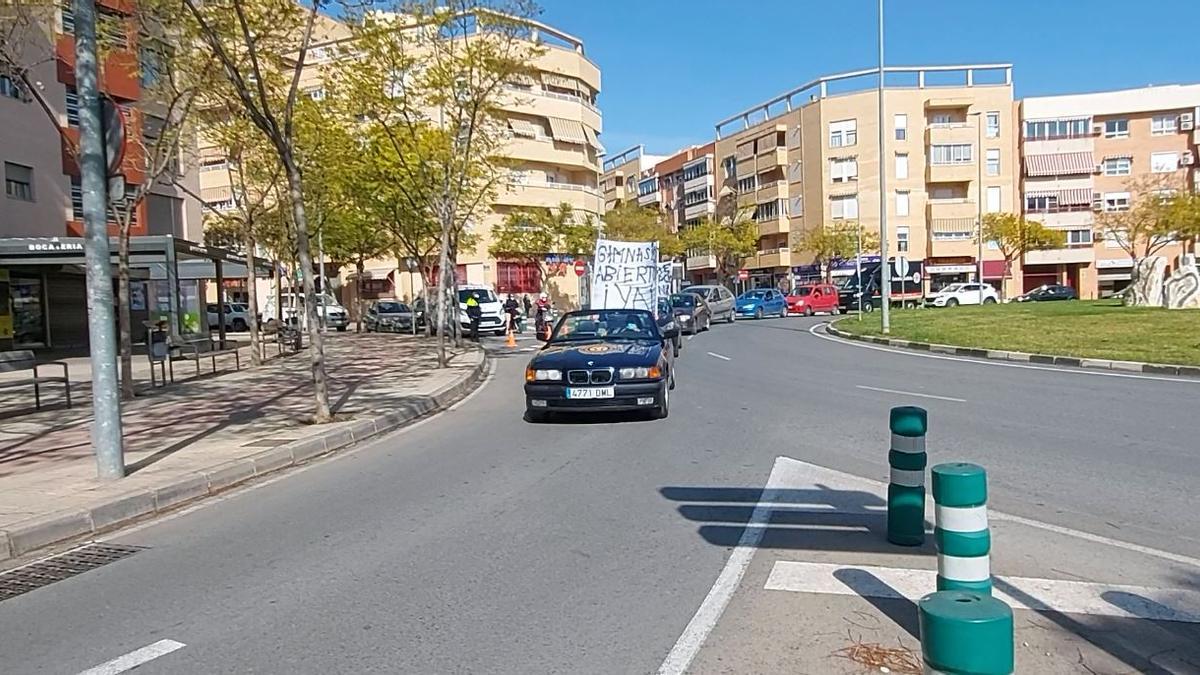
(951,133)
(550,195)
(550,104)
(648,198)
(546,150)
(1057,256)
(1075,219)
(747,200)
(942,209)
(772,160)
(776,225)
(771,191)
(953,248)
(704,208)
(701,262)
(951,173)
(696,183)
(775,257)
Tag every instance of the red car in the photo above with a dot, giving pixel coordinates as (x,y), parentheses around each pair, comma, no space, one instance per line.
(813,298)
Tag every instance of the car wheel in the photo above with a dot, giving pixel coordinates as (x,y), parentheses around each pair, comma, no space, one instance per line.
(808,311)
(758,313)
(868,308)
(239,325)
(732,316)
(664,408)
(835,310)
(672,385)
(989,301)
(677,348)
(536,416)
(707,323)
(498,333)
(952,302)
(341,329)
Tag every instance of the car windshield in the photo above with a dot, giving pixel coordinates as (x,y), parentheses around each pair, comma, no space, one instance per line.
(391,307)
(481,294)
(606,324)
(802,291)
(754,295)
(685,300)
(953,288)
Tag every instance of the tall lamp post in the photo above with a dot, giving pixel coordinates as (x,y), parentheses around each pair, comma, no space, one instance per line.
(979,204)
(885,277)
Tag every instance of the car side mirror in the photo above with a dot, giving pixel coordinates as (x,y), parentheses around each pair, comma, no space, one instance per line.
(671,331)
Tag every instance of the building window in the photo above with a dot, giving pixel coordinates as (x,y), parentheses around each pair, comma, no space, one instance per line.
(729,166)
(1116,129)
(900,122)
(993,199)
(993,162)
(748,184)
(1041,204)
(111,30)
(902,203)
(902,239)
(767,210)
(697,196)
(844,207)
(1116,201)
(1047,129)
(1079,237)
(1118,166)
(518,277)
(842,170)
(1162,125)
(993,125)
(213,164)
(696,171)
(72,101)
(10,87)
(68,17)
(951,154)
(940,118)
(1164,162)
(843,133)
(796,172)
(18,181)
(76,200)
(647,186)
(902,165)
(317,94)
(796,206)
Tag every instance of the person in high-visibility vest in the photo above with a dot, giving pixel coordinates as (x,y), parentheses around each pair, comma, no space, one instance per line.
(474,314)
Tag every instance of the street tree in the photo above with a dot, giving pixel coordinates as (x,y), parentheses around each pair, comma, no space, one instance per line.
(432,77)
(630,222)
(1015,236)
(1163,210)
(262,47)
(529,235)
(729,236)
(836,242)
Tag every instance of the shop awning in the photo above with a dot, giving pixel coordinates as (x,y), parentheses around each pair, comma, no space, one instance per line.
(1059,164)
(592,139)
(567,131)
(525,128)
(1071,197)
(556,80)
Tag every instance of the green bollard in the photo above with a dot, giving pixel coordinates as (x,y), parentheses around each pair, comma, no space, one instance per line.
(961,527)
(906,487)
(965,633)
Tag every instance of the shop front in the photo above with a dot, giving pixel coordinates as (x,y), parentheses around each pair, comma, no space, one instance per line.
(1113,275)
(941,272)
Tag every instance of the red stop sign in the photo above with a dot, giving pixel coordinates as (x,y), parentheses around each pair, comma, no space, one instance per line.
(743,274)
(580,267)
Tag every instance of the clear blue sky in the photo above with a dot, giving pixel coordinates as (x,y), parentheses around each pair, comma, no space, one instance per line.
(673,68)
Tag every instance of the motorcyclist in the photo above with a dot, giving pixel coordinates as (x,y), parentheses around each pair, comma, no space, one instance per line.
(513,309)
(543,316)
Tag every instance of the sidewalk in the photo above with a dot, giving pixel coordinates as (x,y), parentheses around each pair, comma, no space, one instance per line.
(201,436)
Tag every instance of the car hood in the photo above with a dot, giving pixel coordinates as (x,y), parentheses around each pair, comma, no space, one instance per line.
(597,354)
(393,315)
(684,311)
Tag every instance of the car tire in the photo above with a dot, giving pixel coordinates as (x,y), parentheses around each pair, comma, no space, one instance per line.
(732,317)
(676,349)
(758,313)
(808,311)
(707,323)
(868,308)
(664,408)
(835,310)
(952,302)
(989,301)
(498,333)
(672,385)
(536,416)
(240,326)
(341,329)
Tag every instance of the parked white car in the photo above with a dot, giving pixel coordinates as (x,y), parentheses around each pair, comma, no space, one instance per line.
(236,316)
(962,294)
(491,309)
(336,316)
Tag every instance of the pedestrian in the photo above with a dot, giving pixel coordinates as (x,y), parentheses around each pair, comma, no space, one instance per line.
(474,314)
(512,308)
(528,304)
(543,316)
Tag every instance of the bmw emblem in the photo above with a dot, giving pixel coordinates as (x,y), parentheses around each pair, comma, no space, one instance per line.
(591,363)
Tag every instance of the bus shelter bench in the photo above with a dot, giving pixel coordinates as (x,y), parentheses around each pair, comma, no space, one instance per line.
(24,360)
(204,348)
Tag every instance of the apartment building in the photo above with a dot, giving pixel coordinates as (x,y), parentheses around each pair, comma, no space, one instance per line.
(1088,153)
(811,157)
(41,212)
(624,175)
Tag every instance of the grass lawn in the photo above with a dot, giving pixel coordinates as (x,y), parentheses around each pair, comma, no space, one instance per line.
(1100,329)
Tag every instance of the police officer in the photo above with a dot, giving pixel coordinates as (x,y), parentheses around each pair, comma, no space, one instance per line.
(474,314)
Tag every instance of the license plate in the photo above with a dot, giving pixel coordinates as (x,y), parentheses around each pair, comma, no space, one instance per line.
(589,392)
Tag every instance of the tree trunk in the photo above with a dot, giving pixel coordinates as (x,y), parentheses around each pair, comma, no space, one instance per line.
(123,315)
(252,301)
(358,301)
(316,343)
(443,261)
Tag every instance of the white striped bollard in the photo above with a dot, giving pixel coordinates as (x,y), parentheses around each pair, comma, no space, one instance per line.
(961,527)
(906,486)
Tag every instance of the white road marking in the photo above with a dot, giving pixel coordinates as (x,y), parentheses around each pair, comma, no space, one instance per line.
(986,362)
(709,613)
(135,658)
(910,393)
(689,338)
(719,356)
(1044,595)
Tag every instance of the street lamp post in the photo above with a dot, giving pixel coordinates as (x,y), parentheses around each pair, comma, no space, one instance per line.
(885,277)
(979,203)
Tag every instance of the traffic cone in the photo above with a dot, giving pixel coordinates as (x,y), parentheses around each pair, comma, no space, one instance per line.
(512,337)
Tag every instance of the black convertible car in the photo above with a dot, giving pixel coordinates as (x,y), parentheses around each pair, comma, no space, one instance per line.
(606,359)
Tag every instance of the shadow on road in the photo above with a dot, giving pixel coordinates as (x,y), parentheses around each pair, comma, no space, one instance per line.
(890,602)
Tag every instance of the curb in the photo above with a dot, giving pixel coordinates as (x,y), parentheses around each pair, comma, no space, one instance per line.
(120,510)
(1022,357)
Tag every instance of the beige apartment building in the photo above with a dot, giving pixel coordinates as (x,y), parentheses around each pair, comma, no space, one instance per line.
(554,126)
(811,157)
(622,175)
(43,303)
(1080,155)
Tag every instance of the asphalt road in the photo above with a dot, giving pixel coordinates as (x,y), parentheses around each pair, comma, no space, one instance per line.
(476,542)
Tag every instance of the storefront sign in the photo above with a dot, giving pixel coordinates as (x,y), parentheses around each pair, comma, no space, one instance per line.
(949,269)
(1113,263)
(55,245)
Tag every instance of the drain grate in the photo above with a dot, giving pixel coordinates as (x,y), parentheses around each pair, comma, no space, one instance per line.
(62,566)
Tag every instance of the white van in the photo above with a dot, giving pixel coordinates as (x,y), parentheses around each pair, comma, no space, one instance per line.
(336,316)
(491,308)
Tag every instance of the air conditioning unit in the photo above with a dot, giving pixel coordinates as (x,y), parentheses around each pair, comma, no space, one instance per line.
(1187,158)
(1099,168)
(1097,201)
(1097,129)
(1187,122)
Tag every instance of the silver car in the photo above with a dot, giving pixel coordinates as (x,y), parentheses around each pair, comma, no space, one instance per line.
(719,299)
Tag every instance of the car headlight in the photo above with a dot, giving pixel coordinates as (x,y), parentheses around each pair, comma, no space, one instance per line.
(645,373)
(542,375)
(685,317)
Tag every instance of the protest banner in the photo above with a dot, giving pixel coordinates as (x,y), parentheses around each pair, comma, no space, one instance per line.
(625,275)
(665,278)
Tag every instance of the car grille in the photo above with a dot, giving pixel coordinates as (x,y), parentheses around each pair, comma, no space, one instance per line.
(596,376)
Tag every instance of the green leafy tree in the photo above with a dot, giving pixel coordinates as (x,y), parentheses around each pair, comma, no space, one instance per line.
(835,242)
(728,237)
(630,222)
(529,235)
(1015,236)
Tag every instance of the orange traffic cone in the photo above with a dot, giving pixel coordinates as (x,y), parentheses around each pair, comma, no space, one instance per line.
(512,337)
